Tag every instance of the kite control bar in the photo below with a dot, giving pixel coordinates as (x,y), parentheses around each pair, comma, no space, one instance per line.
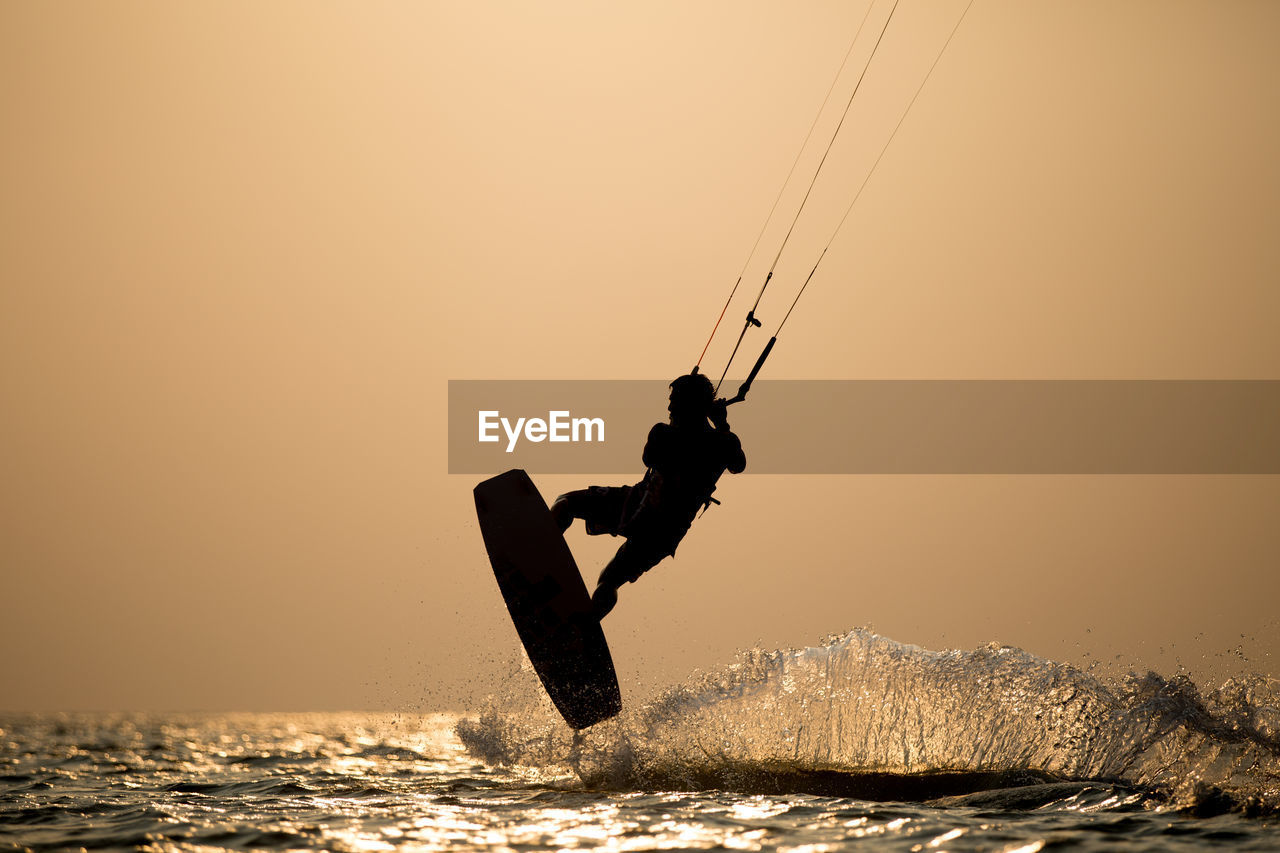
(751,377)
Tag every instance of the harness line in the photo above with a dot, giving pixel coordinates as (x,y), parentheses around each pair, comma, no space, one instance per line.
(785,181)
(751,314)
(872,170)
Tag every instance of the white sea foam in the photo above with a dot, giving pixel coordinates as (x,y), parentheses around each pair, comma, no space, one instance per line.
(862,706)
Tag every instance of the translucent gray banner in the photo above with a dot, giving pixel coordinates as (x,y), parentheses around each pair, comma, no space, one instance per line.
(884,427)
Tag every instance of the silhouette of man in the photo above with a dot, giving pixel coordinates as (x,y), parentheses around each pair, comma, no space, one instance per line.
(685,458)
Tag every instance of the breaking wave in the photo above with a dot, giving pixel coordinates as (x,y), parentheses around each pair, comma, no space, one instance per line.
(862,715)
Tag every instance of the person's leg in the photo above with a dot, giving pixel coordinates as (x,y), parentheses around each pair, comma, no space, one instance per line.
(562,511)
(603,600)
(584,504)
(627,566)
(599,506)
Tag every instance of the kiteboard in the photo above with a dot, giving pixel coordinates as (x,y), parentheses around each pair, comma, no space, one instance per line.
(547,599)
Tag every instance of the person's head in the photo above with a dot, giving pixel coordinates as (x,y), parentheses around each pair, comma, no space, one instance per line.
(691,396)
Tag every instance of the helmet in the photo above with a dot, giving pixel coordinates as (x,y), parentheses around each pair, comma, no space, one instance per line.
(692,392)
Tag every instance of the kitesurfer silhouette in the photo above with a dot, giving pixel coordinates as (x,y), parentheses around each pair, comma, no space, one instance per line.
(685,458)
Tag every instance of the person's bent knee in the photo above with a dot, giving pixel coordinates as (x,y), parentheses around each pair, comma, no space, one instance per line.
(628,565)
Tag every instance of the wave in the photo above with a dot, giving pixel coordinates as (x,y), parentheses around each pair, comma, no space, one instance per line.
(863,715)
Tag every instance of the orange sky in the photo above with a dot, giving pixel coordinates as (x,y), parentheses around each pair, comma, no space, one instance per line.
(246,246)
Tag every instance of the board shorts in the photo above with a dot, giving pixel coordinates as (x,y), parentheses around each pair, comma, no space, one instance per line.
(620,511)
(603,508)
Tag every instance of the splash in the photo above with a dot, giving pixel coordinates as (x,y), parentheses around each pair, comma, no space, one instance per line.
(862,714)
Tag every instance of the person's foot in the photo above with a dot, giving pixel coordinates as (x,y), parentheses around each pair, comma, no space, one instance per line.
(603,600)
(560,513)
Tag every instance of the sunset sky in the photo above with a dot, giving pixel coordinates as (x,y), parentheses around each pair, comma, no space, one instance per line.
(245,246)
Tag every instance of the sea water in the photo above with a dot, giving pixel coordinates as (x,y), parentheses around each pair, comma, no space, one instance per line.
(860,742)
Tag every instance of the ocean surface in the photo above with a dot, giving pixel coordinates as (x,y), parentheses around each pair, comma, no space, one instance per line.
(859,743)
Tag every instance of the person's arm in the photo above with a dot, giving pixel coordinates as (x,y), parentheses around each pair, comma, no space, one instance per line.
(655,446)
(736,458)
